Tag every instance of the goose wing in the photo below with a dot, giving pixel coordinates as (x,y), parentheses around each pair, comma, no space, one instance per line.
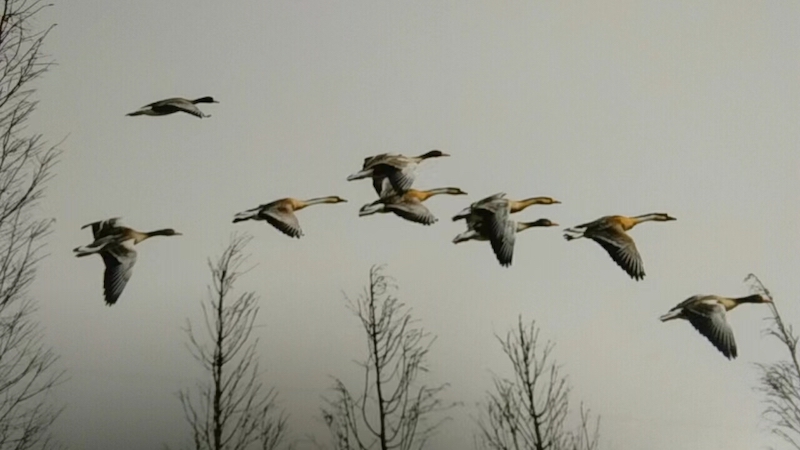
(180,104)
(401,178)
(491,220)
(622,250)
(166,101)
(104,227)
(502,242)
(468,212)
(119,261)
(709,318)
(383,186)
(398,169)
(413,211)
(490,198)
(371,161)
(284,220)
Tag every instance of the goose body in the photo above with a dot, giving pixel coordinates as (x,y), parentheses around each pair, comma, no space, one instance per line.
(708,315)
(280,213)
(408,205)
(610,232)
(392,172)
(500,234)
(115,244)
(173,105)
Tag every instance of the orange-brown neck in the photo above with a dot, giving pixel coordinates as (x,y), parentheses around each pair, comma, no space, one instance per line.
(424,195)
(300,204)
(519,205)
(627,222)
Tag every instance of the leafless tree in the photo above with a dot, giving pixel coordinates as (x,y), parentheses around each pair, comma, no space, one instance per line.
(28,369)
(392,409)
(233,410)
(530,410)
(779,381)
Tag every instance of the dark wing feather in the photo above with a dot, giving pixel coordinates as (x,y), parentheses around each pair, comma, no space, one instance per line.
(503,243)
(491,220)
(119,268)
(103,228)
(180,105)
(382,185)
(370,161)
(710,320)
(401,179)
(166,101)
(622,250)
(413,211)
(285,222)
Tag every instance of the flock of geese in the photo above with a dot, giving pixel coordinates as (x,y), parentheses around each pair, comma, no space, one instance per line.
(392,178)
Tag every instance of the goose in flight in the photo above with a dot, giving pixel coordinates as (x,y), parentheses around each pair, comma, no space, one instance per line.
(115,244)
(496,201)
(610,233)
(500,234)
(280,213)
(173,105)
(409,205)
(708,315)
(392,172)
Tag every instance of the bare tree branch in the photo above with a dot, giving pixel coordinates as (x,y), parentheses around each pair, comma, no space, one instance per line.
(530,410)
(28,370)
(393,408)
(234,411)
(779,382)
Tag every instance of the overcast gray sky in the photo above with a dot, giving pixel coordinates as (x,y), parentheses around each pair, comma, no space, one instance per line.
(613,107)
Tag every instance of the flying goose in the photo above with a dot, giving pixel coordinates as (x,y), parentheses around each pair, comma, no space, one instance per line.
(280,213)
(498,200)
(391,171)
(409,205)
(610,233)
(115,244)
(707,313)
(501,235)
(173,105)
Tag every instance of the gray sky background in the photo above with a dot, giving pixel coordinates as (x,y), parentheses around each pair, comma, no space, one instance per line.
(689,108)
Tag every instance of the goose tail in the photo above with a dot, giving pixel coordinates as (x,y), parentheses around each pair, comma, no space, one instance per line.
(671,315)
(465,236)
(246,215)
(359,175)
(85,250)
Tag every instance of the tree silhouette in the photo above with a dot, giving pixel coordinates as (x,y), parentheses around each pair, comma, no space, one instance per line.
(392,409)
(530,410)
(779,382)
(28,370)
(232,411)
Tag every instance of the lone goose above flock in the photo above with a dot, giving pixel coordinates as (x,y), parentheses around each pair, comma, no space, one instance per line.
(707,314)
(115,244)
(610,233)
(173,105)
(280,213)
(409,205)
(391,171)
